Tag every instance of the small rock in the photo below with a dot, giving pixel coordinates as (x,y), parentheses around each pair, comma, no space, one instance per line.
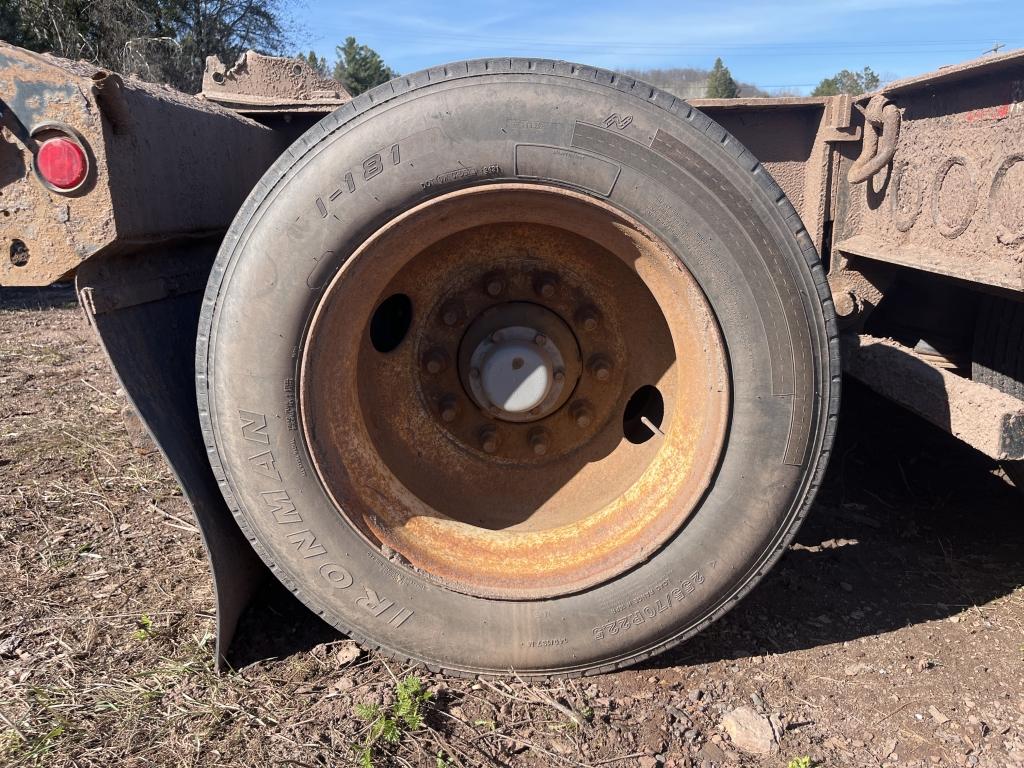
(342,684)
(924,664)
(937,716)
(846,586)
(711,754)
(852,670)
(348,651)
(9,645)
(695,695)
(750,731)
(888,748)
(677,714)
(648,762)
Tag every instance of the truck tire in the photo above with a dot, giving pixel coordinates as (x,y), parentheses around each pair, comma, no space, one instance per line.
(997,358)
(518,365)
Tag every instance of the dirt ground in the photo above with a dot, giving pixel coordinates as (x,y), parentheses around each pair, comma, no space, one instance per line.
(891,634)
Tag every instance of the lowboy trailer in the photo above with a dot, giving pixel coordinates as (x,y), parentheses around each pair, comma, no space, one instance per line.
(515,364)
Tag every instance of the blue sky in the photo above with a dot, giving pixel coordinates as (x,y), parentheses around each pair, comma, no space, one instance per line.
(773,44)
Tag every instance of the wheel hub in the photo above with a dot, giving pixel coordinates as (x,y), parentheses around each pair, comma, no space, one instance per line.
(519,334)
(514,374)
(519,361)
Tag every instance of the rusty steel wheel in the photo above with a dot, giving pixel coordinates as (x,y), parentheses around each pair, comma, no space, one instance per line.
(466,388)
(494,381)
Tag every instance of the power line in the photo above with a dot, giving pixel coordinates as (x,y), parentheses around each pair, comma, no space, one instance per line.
(731,50)
(874,45)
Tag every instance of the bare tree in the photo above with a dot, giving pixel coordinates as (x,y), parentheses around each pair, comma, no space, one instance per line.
(159,40)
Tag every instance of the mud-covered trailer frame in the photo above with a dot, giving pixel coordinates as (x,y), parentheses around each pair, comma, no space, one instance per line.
(911,195)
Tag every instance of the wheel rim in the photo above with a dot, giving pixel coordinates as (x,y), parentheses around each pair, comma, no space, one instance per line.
(515,390)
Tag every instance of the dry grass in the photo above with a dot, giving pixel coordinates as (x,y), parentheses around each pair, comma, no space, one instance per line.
(106,621)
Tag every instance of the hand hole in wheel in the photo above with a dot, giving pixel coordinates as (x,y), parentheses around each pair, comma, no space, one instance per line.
(645,408)
(390,322)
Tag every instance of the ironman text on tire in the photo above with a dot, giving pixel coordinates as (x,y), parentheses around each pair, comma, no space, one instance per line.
(518,365)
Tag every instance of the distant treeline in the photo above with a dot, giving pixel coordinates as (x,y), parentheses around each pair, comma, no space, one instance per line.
(691,82)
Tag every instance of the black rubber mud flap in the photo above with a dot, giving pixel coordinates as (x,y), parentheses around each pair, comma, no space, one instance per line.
(519,121)
(145,309)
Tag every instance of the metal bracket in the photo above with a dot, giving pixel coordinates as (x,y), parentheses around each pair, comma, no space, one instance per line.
(840,120)
(145,308)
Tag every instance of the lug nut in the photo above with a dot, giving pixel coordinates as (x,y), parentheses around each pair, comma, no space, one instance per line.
(449,408)
(546,286)
(588,318)
(559,376)
(435,361)
(451,313)
(494,284)
(488,439)
(600,367)
(539,441)
(496,336)
(540,339)
(474,373)
(582,414)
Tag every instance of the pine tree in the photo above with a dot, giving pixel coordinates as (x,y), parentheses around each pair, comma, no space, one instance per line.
(720,83)
(317,63)
(360,68)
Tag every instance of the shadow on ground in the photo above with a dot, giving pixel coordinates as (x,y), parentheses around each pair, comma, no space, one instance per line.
(59,296)
(910,526)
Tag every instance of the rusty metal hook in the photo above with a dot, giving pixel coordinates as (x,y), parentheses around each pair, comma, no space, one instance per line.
(881,133)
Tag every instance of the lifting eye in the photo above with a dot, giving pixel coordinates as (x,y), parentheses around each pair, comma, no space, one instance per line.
(391,322)
(646,408)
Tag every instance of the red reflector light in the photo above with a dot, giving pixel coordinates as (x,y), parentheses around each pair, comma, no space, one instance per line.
(62,163)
